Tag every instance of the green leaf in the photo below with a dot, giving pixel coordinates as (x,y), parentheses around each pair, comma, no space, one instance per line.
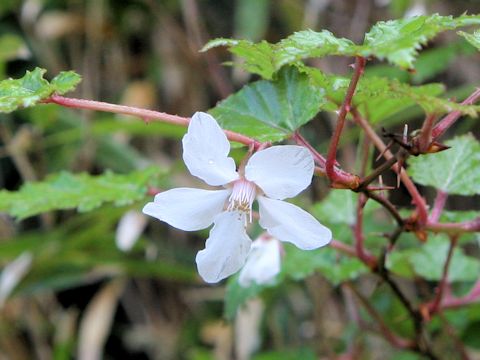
(82,191)
(339,207)
(271,110)
(454,171)
(429,260)
(33,88)
(398,41)
(299,264)
(266,59)
(379,98)
(473,39)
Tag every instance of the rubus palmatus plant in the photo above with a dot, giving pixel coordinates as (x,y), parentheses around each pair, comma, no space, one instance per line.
(415,249)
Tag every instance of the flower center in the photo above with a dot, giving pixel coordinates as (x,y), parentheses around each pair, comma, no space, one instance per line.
(241,199)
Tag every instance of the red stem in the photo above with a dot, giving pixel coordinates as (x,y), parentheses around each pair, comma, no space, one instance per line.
(444,281)
(358,234)
(345,108)
(344,179)
(444,124)
(146,115)
(426,133)
(455,228)
(438,206)
(451,302)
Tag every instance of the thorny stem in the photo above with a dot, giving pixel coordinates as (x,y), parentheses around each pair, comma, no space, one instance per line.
(426,133)
(444,124)
(376,172)
(417,198)
(146,115)
(344,110)
(438,206)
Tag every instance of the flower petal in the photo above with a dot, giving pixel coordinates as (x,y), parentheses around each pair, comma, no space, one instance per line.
(281,171)
(226,249)
(187,209)
(289,223)
(263,262)
(205,151)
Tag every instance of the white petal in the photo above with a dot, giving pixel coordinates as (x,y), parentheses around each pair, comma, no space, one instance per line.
(281,171)
(205,151)
(226,249)
(129,229)
(12,274)
(289,223)
(187,209)
(263,262)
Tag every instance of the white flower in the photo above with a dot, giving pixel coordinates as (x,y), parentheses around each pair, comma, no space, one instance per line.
(263,262)
(270,175)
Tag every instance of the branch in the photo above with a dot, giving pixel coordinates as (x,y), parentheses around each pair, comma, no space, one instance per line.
(426,133)
(417,199)
(444,124)
(146,115)
(444,281)
(386,332)
(345,108)
(438,206)
(358,234)
(345,180)
(455,228)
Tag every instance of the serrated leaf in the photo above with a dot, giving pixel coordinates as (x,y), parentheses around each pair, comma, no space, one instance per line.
(428,262)
(473,39)
(65,81)
(398,41)
(379,98)
(265,59)
(454,171)
(271,110)
(82,191)
(33,88)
